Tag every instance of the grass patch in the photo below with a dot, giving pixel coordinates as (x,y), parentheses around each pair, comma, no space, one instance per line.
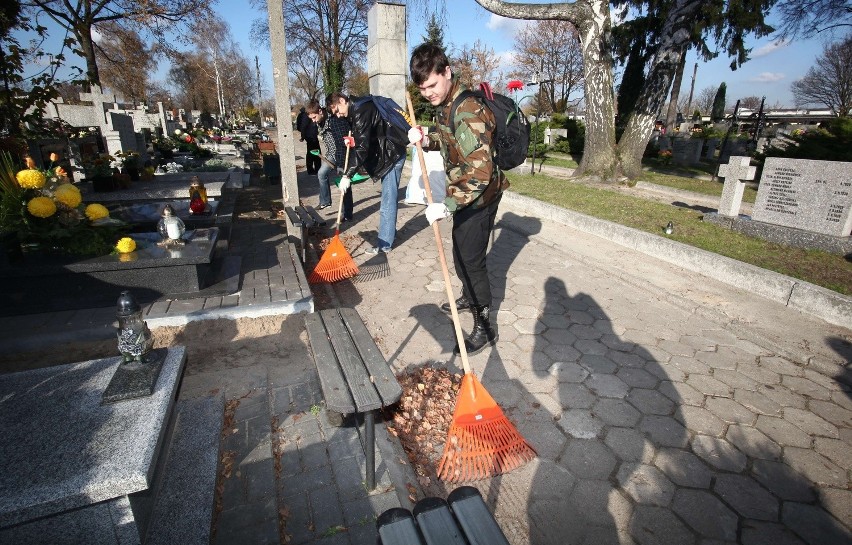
(817,267)
(697,185)
(562,161)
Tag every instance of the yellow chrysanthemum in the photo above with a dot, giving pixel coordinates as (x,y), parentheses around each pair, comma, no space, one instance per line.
(41,207)
(125,245)
(68,195)
(96,212)
(30,179)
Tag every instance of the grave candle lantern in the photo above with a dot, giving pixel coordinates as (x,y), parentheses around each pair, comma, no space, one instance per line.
(134,337)
(197,196)
(170,227)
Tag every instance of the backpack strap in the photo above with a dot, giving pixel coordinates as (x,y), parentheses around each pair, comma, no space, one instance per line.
(458,100)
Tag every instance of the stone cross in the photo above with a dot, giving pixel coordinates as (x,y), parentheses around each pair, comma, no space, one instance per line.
(735,172)
(98,99)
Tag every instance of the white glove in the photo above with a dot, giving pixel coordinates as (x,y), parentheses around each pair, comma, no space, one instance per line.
(437,211)
(344,184)
(417,134)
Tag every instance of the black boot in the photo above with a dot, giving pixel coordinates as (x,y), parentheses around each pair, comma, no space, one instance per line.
(482,335)
(462,303)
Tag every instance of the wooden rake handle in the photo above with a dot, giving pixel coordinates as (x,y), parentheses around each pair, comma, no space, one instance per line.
(453,310)
(340,206)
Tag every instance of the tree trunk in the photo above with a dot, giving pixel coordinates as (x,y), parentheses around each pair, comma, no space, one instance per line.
(83,32)
(671,116)
(674,42)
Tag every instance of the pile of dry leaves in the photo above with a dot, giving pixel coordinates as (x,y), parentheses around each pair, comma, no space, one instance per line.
(423,416)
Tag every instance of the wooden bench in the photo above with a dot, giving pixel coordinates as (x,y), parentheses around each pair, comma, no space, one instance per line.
(463,519)
(354,376)
(303,218)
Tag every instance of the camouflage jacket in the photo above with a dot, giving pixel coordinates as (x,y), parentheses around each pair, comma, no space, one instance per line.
(472,176)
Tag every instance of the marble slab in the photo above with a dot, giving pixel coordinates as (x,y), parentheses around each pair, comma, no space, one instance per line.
(62,449)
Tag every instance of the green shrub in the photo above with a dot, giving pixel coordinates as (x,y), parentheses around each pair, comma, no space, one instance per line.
(830,143)
(562,145)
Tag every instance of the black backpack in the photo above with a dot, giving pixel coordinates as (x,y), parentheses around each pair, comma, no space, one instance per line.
(512,139)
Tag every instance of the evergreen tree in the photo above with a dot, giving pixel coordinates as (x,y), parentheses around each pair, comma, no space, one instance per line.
(434,32)
(719,103)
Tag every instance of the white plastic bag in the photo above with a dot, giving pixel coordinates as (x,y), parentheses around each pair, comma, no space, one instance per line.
(415,193)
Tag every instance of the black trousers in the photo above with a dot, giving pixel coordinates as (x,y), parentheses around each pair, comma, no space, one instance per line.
(312,162)
(471,230)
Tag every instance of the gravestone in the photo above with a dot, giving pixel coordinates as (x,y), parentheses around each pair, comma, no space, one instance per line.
(732,148)
(686,151)
(735,172)
(710,148)
(665,143)
(76,470)
(814,196)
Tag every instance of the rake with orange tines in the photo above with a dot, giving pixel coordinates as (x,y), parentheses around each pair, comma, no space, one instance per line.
(336,263)
(481,441)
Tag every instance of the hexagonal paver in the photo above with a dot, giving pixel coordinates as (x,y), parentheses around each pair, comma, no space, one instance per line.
(813,523)
(753,442)
(650,401)
(580,423)
(568,372)
(700,420)
(700,344)
(706,514)
(591,347)
(586,332)
(709,385)
(616,412)
(725,357)
(810,423)
(557,335)
(676,348)
(562,352)
(781,366)
(625,360)
(760,375)
(637,378)
(730,410)
(629,445)
(816,468)
(606,385)
(645,484)
(718,453)
(837,502)
(681,393)
(735,379)
(783,481)
(757,402)
(529,326)
(804,386)
(656,525)
(683,468)
(588,459)
(665,431)
(783,432)
(832,412)
(768,533)
(615,342)
(598,364)
(783,396)
(747,497)
(574,396)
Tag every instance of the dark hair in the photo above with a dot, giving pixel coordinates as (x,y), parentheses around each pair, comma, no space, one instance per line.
(335,97)
(313,107)
(427,59)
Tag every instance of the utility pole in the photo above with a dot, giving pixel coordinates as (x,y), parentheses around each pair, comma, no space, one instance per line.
(691,89)
(259,95)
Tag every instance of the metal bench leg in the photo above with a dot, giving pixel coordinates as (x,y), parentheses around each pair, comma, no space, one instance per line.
(370,448)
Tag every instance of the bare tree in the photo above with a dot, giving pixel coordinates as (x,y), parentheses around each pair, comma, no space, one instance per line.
(476,63)
(829,81)
(685,22)
(125,61)
(334,31)
(809,17)
(704,101)
(750,102)
(158,17)
(551,49)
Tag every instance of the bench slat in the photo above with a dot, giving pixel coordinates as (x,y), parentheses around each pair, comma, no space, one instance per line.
(307,220)
(318,220)
(383,378)
(337,395)
(293,216)
(362,390)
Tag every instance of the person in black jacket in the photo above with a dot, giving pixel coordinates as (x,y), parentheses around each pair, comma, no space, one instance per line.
(380,151)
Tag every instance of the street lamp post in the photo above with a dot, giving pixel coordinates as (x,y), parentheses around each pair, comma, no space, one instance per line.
(537,116)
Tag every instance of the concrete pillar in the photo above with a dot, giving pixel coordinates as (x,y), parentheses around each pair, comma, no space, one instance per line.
(286,149)
(387,51)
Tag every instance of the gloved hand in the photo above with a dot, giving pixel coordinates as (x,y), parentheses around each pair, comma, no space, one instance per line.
(417,134)
(344,184)
(349,141)
(436,211)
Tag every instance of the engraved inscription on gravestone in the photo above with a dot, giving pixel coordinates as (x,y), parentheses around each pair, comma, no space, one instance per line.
(811,195)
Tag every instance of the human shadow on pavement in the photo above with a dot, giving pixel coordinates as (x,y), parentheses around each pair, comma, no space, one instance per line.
(640,449)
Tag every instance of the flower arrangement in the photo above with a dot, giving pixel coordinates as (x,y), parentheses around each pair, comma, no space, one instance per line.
(665,156)
(100,167)
(172,168)
(46,209)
